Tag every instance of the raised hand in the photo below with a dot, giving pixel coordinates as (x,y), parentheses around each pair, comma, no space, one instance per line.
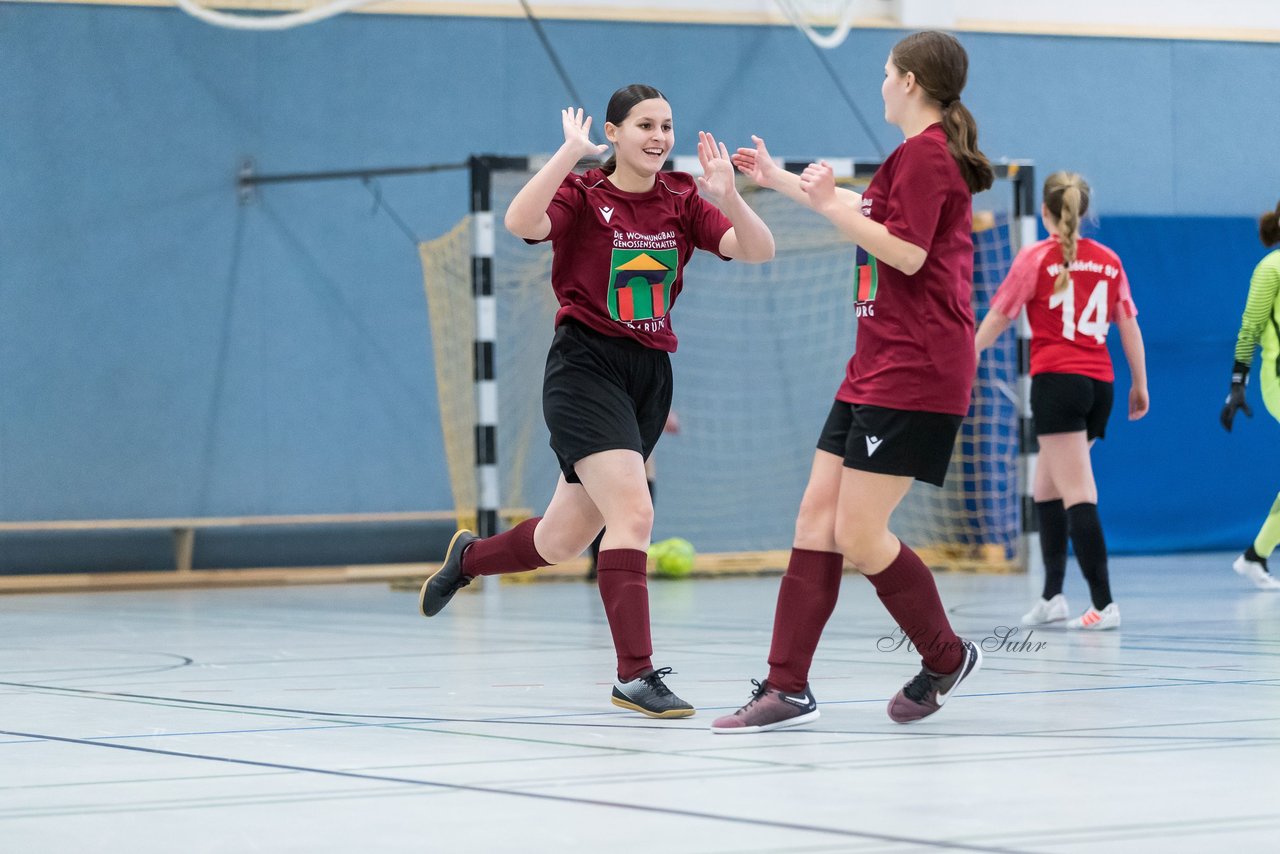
(819,184)
(756,163)
(577,133)
(716,181)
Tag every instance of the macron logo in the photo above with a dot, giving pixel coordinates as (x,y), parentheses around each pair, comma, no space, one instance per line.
(607,213)
(873,445)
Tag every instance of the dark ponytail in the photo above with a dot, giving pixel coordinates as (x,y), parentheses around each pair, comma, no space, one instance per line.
(1269,227)
(941,67)
(962,140)
(619,108)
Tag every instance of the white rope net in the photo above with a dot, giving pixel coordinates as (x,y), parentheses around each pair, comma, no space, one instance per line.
(808,15)
(280,21)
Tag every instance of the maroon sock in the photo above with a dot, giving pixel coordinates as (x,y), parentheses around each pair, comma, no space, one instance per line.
(510,551)
(908,591)
(805,602)
(623,581)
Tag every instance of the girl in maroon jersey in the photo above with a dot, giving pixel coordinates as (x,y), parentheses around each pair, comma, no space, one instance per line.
(906,389)
(620,237)
(1072,288)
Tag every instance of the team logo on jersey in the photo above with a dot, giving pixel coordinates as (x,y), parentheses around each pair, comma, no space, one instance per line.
(640,283)
(607,213)
(866,283)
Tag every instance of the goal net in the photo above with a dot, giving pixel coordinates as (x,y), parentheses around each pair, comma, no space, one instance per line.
(762,352)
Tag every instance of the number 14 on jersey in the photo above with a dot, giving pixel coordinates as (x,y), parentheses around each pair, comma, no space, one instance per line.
(1092,321)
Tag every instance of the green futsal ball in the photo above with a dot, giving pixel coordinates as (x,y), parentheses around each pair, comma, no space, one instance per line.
(672,558)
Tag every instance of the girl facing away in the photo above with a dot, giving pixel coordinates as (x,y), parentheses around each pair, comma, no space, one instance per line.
(906,388)
(1072,288)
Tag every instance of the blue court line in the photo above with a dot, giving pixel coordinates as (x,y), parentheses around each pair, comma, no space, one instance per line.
(553,719)
(136,669)
(533,719)
(196,703)
(1184,651)
(341,725)
(487,790)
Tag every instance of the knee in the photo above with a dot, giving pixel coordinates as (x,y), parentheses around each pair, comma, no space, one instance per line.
(858,547)
(814,523)
(557,546)
(632,522)
(1080,495)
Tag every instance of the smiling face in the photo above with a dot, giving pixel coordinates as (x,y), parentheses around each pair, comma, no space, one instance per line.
(644,139)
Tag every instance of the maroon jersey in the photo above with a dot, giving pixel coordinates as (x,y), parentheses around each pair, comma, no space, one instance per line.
(618,257)
(1068,329)
(915,333)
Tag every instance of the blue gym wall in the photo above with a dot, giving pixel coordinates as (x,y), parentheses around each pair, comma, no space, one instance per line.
(167,351)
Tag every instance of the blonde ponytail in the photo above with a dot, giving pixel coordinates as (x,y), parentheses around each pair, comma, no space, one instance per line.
(1066,196)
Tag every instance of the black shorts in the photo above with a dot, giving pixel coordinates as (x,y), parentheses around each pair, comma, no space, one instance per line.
(891,441)
(602,393)
(1069,403)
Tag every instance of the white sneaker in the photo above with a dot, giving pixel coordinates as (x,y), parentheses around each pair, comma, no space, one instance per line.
(1256,572)
(1047,611)
(1096,621)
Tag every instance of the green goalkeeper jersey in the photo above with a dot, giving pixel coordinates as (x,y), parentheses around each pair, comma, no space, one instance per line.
(1259,325)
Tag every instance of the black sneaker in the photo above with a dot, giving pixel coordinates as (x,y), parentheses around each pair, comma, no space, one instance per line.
(926,693)
(648,695)
(448,579)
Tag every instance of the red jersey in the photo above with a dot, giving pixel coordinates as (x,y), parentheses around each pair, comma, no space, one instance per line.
(1068,330)
(914,348)
(618,257)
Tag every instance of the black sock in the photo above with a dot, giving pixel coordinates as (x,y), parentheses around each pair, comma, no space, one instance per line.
(594,551)
(1053,544)
(1091,551)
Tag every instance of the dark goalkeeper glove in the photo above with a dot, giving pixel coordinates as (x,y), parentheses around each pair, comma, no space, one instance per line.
(1235,397)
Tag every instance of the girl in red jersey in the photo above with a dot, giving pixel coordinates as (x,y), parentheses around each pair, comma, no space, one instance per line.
(906,389)
(1072,288)
(620,237)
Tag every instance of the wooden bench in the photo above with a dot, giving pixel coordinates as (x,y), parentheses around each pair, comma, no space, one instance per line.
(184,538)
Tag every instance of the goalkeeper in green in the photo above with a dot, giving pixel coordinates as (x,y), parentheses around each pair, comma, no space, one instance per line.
(1260,325)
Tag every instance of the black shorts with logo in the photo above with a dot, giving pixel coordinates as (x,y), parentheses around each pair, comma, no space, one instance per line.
(602,393)
(891,441)
(1069,403)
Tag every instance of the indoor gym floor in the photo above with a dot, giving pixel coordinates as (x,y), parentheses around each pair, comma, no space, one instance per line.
(334,718)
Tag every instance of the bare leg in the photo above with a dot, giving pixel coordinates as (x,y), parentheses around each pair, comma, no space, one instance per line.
(902,581)
(617,486)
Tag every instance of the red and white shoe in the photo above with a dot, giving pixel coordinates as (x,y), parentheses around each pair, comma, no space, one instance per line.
(1097,621)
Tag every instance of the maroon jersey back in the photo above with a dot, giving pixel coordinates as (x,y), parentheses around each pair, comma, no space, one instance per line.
(1068,329)
(915,333)
(618,257)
